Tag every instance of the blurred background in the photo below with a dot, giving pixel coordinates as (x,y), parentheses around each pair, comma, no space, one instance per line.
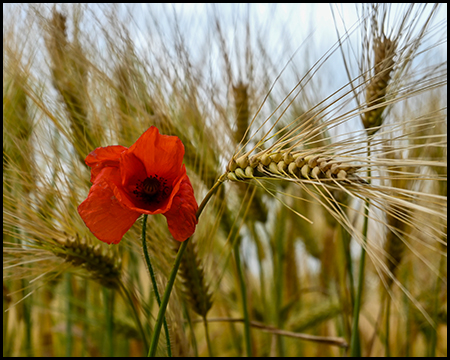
(81,76)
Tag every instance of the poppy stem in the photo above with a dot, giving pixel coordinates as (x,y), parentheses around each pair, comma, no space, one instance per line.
(165,300)
(173,273)
(153,278)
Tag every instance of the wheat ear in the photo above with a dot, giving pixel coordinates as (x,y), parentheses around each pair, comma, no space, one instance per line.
(193,279)
(101,266)
(293,166)
(240,93)
(69,75)
(384,51)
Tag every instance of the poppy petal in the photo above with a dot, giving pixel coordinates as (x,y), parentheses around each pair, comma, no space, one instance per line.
(102,212)
(161,155)
(132,170)
(103,157)
(182,218)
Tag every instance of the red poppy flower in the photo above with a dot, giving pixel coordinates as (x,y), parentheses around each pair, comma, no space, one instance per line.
(147,178)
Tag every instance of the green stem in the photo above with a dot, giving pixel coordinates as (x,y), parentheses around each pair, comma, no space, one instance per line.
(165,300)
(434,338)
(242,285)
(347,281)
(208,342)
(388,318)
(84,338)
(279,259)
(69,334)
(173,273)
(126,294)
(189,322)
(108,296)
(348,259)
(355,348)
(155,286)
(354,343)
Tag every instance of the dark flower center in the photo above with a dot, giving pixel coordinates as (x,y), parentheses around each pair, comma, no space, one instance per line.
(152,189)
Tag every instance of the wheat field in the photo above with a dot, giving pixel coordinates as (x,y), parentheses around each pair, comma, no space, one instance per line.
(315,140)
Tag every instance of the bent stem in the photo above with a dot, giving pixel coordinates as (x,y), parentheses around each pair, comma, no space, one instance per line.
(155,286)
(173,273)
